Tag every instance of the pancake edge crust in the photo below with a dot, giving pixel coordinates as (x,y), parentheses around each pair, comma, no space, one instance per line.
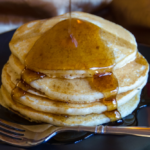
(60,120)
(57,107)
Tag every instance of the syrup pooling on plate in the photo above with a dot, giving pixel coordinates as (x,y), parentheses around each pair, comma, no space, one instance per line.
(82,48)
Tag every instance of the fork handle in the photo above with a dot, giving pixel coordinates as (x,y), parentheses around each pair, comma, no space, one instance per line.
(137,131)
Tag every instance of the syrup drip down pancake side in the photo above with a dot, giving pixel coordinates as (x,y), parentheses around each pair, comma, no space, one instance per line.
(41,103)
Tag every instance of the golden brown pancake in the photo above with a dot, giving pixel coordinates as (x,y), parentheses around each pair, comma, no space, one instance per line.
(44,104)
(63,120)
(120,40)
(79,90)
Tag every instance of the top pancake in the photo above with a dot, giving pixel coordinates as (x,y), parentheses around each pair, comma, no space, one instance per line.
(122,42)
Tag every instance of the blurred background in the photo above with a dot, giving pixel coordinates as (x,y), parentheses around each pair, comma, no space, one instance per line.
(134,15)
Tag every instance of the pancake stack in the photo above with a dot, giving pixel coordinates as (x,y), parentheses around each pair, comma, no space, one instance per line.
(66,97)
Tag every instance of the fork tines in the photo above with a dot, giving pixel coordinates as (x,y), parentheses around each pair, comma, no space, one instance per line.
(10,130)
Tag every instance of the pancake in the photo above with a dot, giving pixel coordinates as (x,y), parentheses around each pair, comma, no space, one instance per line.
(60,120)
(80,90)
(120,40)
(43,104)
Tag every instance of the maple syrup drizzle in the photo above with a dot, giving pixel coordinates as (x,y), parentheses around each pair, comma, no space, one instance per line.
(28,76)
(56,49)
(69,30)
(109,88)
(79,49)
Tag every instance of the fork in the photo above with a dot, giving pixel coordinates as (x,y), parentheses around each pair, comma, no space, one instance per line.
(31,135)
